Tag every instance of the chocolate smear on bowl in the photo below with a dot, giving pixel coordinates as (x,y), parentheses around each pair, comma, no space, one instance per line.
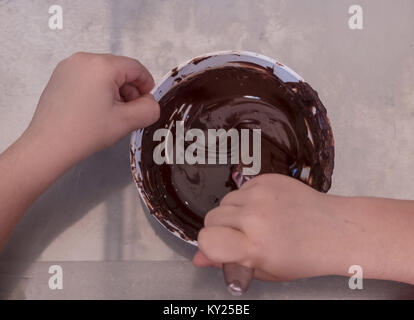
(296,139)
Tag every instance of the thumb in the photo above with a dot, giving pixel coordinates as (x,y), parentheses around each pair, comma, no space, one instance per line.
(223,245)
(201,259)
(140,112)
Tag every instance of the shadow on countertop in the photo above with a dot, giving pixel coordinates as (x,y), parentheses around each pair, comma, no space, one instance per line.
(67,201)
(80,189)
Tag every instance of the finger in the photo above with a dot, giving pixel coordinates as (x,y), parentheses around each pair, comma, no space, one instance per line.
(224,245)
(269,179)
(250,183)
(200,261)
(236,198)
(131,71)
(129,92)
(139,113)
(225,216)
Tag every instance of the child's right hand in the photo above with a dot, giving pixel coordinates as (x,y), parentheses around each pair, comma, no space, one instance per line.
(286,230)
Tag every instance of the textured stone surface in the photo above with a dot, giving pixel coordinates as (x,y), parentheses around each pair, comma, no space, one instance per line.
(365,79)
(177,280)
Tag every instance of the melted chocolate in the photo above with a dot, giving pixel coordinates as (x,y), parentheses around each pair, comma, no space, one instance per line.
(296,139)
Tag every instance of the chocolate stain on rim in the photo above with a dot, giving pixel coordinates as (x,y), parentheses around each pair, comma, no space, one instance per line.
(198,60)
(297,139)
(174,72)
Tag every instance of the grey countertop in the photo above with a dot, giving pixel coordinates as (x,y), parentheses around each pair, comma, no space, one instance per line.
(91,222)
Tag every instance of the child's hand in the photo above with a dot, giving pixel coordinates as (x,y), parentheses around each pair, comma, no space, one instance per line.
(279,226)
(92,101)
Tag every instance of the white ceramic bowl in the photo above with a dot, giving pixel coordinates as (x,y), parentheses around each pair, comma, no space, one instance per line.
(209,60)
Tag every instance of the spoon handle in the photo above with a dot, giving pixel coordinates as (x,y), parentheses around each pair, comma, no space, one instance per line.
(237,278)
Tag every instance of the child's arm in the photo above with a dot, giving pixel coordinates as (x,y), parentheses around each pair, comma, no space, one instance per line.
(90,102)
(286,230)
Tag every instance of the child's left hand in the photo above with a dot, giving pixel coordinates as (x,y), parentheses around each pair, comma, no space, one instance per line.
(92,101)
